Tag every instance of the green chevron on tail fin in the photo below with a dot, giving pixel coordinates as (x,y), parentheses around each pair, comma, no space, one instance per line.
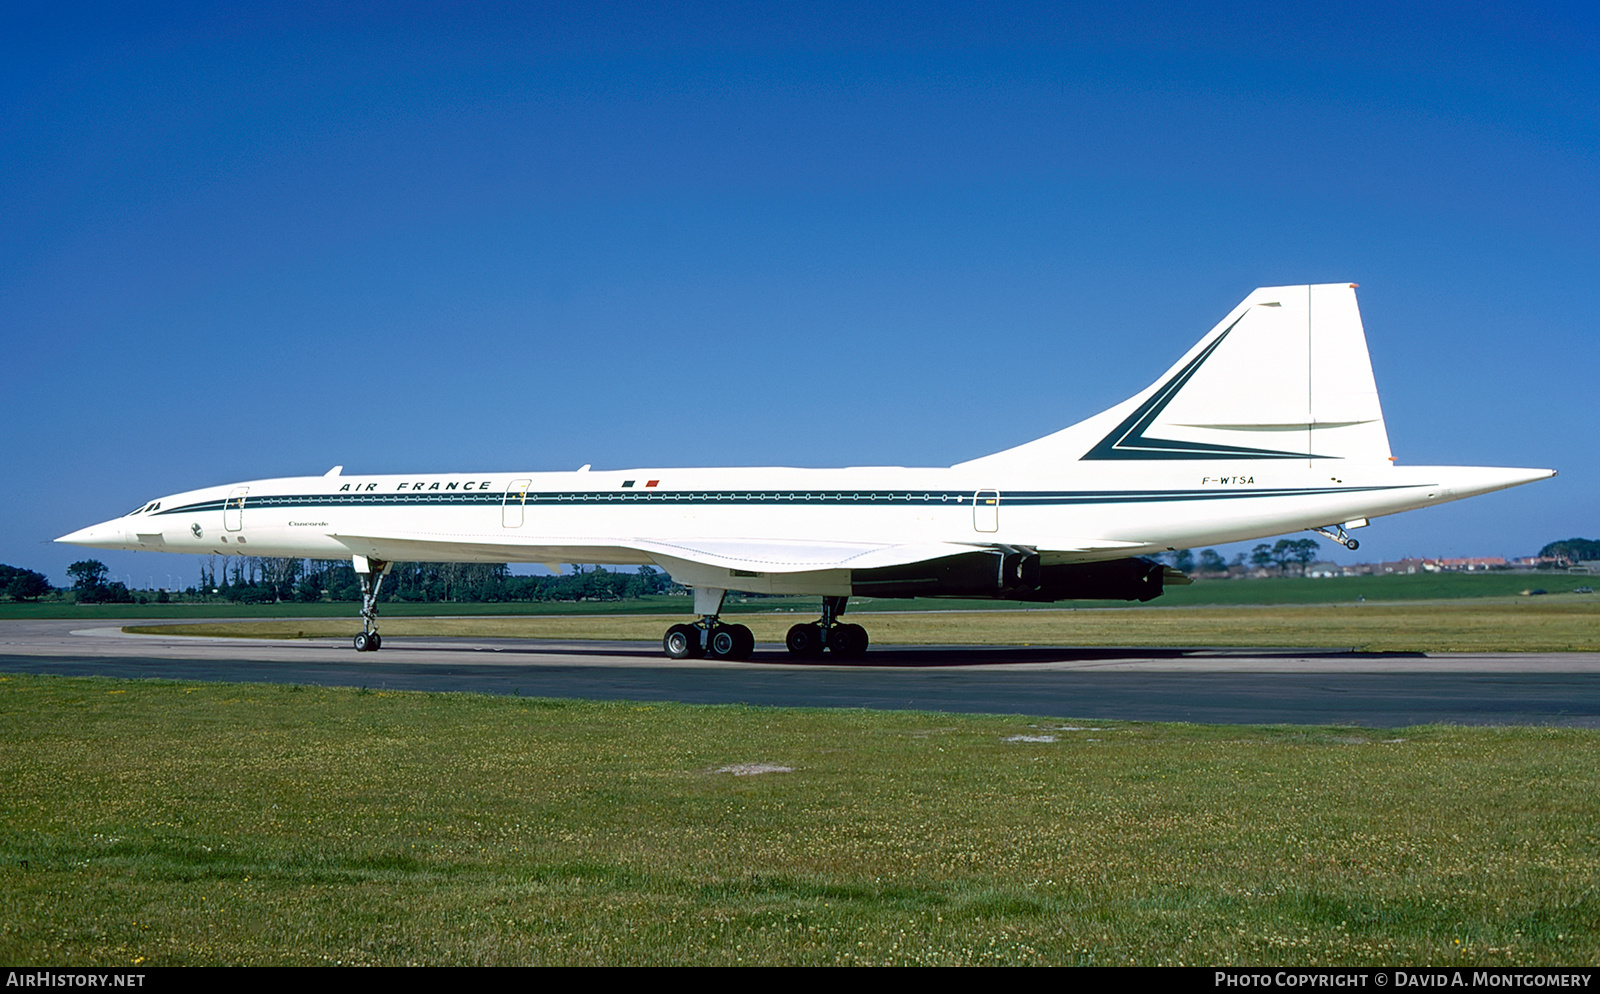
(1285,376)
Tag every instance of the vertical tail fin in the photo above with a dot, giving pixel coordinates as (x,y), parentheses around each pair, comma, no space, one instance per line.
(1285,376)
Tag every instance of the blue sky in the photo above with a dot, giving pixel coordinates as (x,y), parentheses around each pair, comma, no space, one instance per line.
(412,238)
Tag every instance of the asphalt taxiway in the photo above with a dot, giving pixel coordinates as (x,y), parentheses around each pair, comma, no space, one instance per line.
(1244,686)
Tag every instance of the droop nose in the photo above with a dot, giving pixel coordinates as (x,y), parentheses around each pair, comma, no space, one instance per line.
(106,535)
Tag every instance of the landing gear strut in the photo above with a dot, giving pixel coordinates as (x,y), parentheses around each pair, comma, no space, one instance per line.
(708,636)
(371,573)
(1337,533)
(808,641)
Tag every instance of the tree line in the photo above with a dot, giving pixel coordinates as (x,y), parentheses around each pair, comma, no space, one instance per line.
(1286,555)
(23,584)
(1573,550)
(268,580)
(260,579)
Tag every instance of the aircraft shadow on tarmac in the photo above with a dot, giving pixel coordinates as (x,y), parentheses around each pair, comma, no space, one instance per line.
(909,657)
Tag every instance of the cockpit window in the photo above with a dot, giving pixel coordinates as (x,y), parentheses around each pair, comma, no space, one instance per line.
(146,507)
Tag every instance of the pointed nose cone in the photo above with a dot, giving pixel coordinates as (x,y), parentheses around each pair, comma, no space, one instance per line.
(107,535)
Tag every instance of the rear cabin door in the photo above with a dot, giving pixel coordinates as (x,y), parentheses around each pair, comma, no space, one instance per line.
(986,511)
(511,507)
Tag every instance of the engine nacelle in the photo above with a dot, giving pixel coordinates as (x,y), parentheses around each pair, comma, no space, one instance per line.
(1015,576)
(1116,580)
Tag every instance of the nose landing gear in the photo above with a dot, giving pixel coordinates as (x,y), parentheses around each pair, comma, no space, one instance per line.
(371,573)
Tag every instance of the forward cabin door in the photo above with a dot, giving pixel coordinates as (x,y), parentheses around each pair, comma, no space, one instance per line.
(511,507)
(233,509)
(986,511)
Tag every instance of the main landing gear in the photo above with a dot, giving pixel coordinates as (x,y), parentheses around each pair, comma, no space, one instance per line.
(708,636)
(808,641)
(371,573)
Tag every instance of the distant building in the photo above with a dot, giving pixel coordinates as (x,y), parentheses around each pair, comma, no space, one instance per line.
(1537,562)
(1412,565)
(1402,566)
(1471,564)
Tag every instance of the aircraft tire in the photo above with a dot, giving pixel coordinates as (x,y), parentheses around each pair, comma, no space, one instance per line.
(848,641)
(681,642)
(805,641)
(374,642)
(731,642)
(747,642)
(363,643)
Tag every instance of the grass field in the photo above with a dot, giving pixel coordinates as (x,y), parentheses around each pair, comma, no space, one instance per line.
(152,823)
(149,823)
(1528,624)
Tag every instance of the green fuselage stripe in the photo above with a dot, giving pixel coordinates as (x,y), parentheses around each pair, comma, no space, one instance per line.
(826,498)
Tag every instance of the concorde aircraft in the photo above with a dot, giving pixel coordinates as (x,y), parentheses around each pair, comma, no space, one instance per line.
(1270,424)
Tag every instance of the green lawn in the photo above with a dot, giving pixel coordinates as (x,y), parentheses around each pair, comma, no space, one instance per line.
(152,823)
(1526,624)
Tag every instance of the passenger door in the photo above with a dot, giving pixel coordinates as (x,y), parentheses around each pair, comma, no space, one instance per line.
(511,507)
(986,511)
(233,510)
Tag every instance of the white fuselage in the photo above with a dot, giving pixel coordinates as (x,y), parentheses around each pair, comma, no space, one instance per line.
(622,517)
